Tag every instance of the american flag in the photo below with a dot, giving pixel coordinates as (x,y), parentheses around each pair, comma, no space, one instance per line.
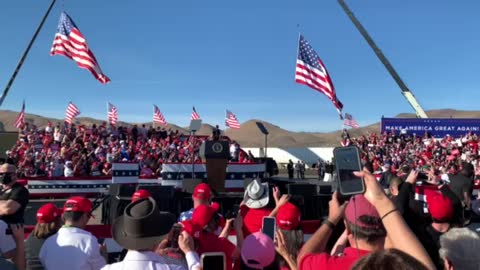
(158,116)
(349,121)
(71,43)
(231,120)
(195,115)
(311,71)
(112,114)
(20,117)
(72,112)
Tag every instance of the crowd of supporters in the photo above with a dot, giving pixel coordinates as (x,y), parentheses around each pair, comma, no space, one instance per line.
(397,152)
(370,231)
(81,151)
(386,227)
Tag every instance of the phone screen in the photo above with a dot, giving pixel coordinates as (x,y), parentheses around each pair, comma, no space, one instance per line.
(213,261)
(269,226)
(173,241)
(347,161)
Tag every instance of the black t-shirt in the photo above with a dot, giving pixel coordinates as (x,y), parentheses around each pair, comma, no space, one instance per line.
(19,194)
(459,184)
(32,249)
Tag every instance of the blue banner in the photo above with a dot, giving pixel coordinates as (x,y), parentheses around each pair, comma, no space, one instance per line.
(437,127)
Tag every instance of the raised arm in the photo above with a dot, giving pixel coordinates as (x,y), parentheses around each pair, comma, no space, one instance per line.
(399,233)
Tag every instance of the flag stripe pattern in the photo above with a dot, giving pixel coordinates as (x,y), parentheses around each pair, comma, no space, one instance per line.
(158,116)
(231,120)
(112,114)
(311,71)
(20,117)
(72,112)
(195,115)
(349,121)
(71,43)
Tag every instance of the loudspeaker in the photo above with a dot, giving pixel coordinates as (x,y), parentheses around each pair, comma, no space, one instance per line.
(159,192)
(164,196)
(121,190)
(305,190)
(215,149)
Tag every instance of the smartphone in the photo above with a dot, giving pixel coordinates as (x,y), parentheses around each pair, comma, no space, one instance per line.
(176,230)
(269,226)
(213,261)
(232,213)
(347,161)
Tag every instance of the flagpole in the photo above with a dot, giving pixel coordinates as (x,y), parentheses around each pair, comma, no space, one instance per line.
(25,53)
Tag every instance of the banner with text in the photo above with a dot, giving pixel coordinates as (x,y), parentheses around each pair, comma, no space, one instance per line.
(437,127)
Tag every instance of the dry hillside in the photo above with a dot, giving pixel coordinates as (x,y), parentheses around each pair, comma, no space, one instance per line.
(248,134)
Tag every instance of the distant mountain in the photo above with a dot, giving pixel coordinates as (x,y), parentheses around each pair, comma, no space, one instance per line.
(248,135)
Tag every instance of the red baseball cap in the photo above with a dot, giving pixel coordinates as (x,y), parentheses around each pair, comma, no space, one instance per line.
(440,207)
(288,217)
(141,194)
(203,214)
(192,229)
(202,191)
(48,213)
(78,204)
(359,206)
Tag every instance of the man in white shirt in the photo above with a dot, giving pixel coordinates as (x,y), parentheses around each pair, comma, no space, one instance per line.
(72,247)
(143,230)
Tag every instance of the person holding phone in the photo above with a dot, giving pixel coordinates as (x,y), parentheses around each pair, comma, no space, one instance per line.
(368,219)
(143,230)
(206,217)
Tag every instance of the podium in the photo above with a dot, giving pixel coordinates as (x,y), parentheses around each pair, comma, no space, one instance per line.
(216,155)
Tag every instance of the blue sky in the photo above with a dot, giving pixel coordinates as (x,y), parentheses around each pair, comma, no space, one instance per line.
(241,55)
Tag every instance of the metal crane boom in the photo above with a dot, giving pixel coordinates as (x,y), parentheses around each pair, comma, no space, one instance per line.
(405,91)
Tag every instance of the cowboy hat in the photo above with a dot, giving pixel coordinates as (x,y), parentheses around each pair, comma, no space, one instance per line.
(256,195)
(142,225)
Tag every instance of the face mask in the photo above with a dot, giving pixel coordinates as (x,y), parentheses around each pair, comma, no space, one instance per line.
(6,179)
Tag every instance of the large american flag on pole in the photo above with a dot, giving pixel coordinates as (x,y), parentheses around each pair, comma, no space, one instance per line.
(71,43)
(311,71)
(195,115)
(349,121)
(72,112)
(158,116)
(231,120)
(112,114)
(20,120)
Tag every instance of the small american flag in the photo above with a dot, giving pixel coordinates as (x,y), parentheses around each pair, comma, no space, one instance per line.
(195,115)
(231,120)
(20,117)
(72,112)
(311,71)
(158,116)
(71,43)
(349,121)
(112,114)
